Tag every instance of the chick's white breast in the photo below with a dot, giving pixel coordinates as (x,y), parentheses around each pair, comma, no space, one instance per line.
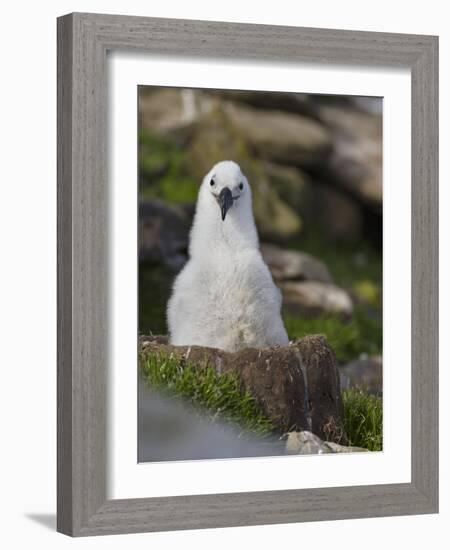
(227,303)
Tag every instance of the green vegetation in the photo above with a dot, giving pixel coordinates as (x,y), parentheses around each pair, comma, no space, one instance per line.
(154,292)
(220,396)
(362,334)
(163,172)
(357,267)
(166,175)
(363,419)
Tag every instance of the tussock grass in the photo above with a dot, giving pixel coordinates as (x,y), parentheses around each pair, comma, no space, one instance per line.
(363,419)
(216,396)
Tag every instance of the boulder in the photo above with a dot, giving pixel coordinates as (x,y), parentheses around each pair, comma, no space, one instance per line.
(365,373)
(215,139)
(315,298)
(168,111)
(283,137)
(306,443)
(170,429)
(294,265)
(339,216)
(373,105)
(292,185)
(303,104)
(297,386)
(163,233)
(356,162)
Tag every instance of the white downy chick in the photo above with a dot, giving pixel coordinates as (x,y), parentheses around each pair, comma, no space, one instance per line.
(225,296)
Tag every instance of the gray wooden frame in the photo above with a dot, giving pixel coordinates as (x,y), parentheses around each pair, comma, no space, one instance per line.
(83,41)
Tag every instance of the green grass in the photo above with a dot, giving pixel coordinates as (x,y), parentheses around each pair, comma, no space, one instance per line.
(356,267)
(349,339)
(220,397)
(363,419)
(347,261)
(163,172)
(217,396)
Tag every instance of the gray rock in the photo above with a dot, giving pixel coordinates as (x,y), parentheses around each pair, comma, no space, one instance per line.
(338,214)
(303,104)
(286,138)
(306,443)
(373,105)
(294,265)
(356,161)
(216,139)
(297,386)
(169,429)
(365,373)
(169,111)
(163,233)
(292,185)
(315,298)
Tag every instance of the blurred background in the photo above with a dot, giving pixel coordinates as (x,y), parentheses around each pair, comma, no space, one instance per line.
(315,166)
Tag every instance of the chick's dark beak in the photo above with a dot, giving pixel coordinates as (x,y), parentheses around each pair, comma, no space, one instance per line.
(225,201)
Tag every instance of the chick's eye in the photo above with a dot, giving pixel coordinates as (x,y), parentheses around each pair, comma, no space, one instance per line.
(212,182)
(241,186)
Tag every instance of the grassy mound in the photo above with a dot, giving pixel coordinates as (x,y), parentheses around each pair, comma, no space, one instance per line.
(217,396)
(220,397)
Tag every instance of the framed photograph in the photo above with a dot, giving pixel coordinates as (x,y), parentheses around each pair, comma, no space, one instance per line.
(247,274)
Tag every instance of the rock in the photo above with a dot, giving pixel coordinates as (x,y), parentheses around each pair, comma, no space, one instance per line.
(286,138)
(338,215)
(365,373)
(163,233)
(292,185)
(215,139)
(306,443)
(315,298)
(303,104)
(169,429)
(373,105)
(275,220)
(356,161)
(297,386)
(291,264)
(169,111)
